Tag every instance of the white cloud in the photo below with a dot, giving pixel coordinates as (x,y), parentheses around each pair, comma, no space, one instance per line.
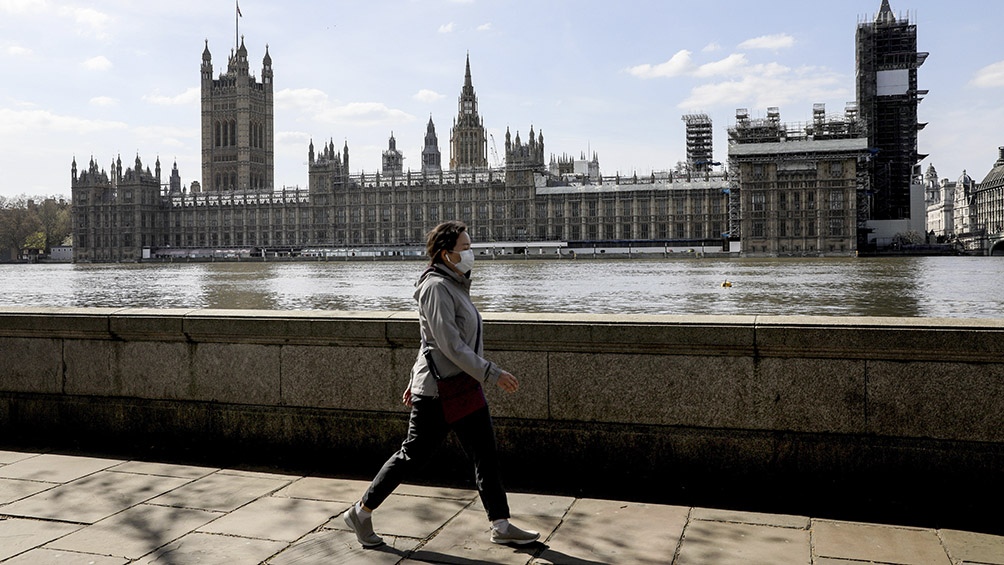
(18,51)
(427,96)
(189,96)
(23,6)
(92,22)
(730,65)
(18,121)
(678,64)
(314,105)
(769,85)
(712,47)
(446,28)
(485,27)
(308,100)
(99,63)
(990,76)
(366,114)
(776,41)
(104,101)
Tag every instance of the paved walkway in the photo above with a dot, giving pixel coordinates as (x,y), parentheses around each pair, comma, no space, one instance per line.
(68,510)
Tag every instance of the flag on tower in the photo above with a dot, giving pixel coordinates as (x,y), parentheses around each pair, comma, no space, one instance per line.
(239,14)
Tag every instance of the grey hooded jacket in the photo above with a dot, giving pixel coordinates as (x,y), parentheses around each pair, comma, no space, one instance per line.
(451,328)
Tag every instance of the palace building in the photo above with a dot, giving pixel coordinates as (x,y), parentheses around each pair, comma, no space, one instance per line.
(830,187)
(131,214)
(800,183)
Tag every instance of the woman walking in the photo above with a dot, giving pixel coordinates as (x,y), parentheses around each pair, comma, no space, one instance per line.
(445,390)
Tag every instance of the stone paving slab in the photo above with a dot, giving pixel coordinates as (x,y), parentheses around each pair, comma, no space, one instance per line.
(212,548)
(164,469)
(408,516)
(607,531)
(18,535)
(131,512)
(467,536)
(92,498)
(334,490)
(136,531)
(274,518)
(54,468)
(969,547)
(725,543)
(875,543)
(8,457)
(335,547)
(15,489)
(55,557)
(222,492)
(756,518)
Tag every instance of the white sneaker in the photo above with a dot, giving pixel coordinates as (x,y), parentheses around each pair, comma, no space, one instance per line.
(514,535)
(362,528)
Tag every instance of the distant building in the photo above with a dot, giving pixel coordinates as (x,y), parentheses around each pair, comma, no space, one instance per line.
(700,142)
(116,214)
(237,125)
(61,253)
(432,159)
(393,160)
(799,184)
(968,230)
(887,98)
(940,200)
(468,143)
(133,214)
(989,202)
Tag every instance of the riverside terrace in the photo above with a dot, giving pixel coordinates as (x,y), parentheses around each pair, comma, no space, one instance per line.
(893,420)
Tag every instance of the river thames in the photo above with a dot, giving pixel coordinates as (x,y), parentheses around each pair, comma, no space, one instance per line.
(952,287)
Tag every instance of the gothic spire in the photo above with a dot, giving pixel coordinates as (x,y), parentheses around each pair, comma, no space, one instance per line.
(885,15)
(467,74)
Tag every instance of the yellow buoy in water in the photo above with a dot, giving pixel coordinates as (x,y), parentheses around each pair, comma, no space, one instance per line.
(726,284)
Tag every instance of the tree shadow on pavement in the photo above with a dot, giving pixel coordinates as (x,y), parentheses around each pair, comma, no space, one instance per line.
(533,551)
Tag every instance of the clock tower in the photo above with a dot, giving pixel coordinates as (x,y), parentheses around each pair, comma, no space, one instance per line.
(468,142)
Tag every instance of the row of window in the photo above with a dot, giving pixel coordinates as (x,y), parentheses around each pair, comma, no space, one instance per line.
(798,228)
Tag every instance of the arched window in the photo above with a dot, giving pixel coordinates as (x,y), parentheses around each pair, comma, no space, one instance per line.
(233,132)
(219,140)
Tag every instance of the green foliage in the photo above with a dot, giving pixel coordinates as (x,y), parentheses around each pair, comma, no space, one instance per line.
(33,222)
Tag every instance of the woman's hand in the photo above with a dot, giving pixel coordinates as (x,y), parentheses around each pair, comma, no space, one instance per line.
(406,397)
(507,382)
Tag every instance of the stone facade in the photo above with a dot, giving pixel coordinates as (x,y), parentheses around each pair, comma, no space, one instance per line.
(237,125)
(127,216)
(799,184)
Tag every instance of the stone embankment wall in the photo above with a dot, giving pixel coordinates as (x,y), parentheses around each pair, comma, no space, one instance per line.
(632,406)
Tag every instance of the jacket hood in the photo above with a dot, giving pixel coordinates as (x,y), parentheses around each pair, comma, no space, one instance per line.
(444,272)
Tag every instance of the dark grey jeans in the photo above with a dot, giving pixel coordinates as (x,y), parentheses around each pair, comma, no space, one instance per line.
(427,428)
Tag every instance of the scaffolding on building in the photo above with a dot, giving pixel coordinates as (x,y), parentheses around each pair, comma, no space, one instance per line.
(822,126)
(700,146)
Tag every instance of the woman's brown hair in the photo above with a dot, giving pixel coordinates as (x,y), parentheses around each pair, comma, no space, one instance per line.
(443,236)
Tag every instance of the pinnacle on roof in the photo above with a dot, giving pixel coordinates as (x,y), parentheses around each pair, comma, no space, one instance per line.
(467,74)
(885,15)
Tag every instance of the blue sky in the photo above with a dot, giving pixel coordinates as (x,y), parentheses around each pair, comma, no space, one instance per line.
(117,77)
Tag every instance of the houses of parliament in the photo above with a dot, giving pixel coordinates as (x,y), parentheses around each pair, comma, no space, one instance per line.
(800,190)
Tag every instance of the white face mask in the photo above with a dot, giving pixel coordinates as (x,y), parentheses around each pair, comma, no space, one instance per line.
(466,262)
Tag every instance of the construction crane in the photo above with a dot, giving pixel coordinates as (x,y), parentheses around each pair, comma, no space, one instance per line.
(496,163)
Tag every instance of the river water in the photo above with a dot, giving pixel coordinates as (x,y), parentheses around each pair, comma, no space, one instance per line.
(954,287)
